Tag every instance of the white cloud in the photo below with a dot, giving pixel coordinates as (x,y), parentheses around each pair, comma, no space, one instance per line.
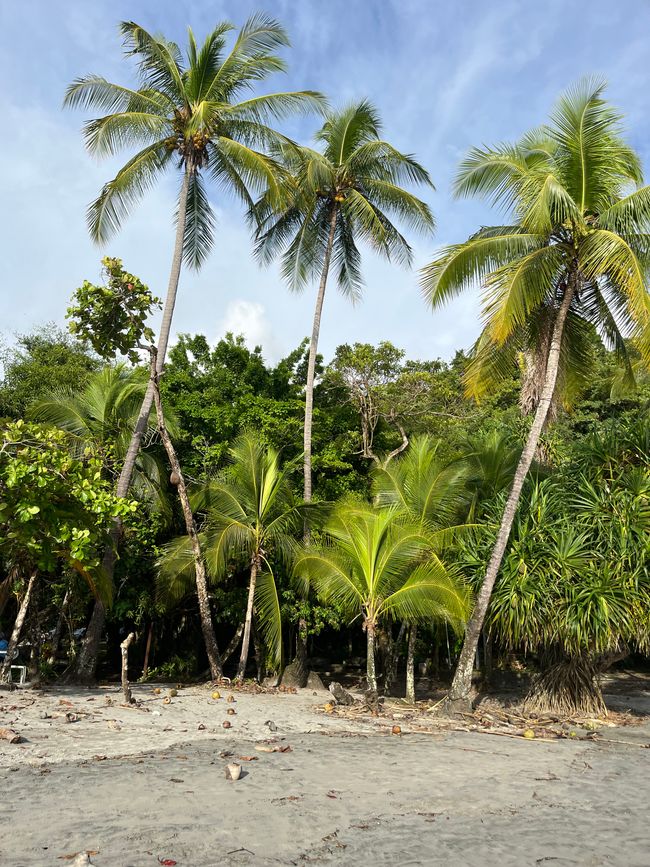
(249,319)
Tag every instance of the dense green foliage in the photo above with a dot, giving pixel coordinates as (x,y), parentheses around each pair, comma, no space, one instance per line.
(427,487)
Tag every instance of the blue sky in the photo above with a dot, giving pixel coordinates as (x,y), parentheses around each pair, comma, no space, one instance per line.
(444,75)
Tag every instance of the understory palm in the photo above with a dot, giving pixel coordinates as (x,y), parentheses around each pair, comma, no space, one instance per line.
(251,518)
(376,563)
(346,193)
(103,414)
(573,257)
(188,115)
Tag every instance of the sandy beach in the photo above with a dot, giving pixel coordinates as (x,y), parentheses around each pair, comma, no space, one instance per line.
(141,786)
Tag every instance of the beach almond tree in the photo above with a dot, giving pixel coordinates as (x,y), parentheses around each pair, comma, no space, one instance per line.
(195,116)
(574,256)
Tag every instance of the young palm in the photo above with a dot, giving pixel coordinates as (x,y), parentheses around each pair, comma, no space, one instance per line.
(186,115)
(434,494)
(103,414)
(575,256)
(347,192)
(376,563)
(251,518)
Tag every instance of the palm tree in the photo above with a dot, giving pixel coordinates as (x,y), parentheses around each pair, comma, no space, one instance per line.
(574,255)
(103,414)
(375,563)
(187,115)
(251,519)
(335,197)
(435,496)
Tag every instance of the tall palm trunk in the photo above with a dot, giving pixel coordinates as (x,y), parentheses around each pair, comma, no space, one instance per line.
(371,669)
(243,659)
(301,638)
(410,664)
(212,650)
(462,682)
(311,365)
(18,625)
(87,659)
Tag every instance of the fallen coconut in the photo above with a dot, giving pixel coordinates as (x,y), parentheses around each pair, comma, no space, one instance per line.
(396,730)
(529,734)
(216,695)
(231,698)
(231,711)
(173,693)
(226,724)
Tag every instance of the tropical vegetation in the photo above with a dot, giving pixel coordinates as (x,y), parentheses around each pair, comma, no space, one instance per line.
(393,519)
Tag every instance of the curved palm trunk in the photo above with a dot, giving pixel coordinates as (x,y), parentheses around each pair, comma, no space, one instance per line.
(87,659)
(462,682)
(18,625)
(212,650)
(311,365)
(243,659)
(371,671)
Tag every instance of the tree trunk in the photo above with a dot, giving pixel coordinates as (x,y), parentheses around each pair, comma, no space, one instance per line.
(462,682)
(18,625)
(87,659)
(311,366)
(371,672)
(301,637)
(147,651)
(58,629)
(241,670)
(216,671)
(393,657)
(410,665)
(124,648)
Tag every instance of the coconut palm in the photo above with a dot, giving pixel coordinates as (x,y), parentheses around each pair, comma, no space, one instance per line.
(251,519)
(433,493)
(574,255)
(375,563)
(347,192)
(186,115)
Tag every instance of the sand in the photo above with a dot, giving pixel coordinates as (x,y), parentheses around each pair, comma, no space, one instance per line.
(136,786)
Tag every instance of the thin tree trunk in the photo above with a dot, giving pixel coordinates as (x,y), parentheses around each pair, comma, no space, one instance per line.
(301,636)
(18,625)
(259,653)
(216,671)
(393,656)
(462,682)
(124,648)
(241,670)
(58,629)
(87,659)
(410,665)
(147,651)
(371,671)
(311,365)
